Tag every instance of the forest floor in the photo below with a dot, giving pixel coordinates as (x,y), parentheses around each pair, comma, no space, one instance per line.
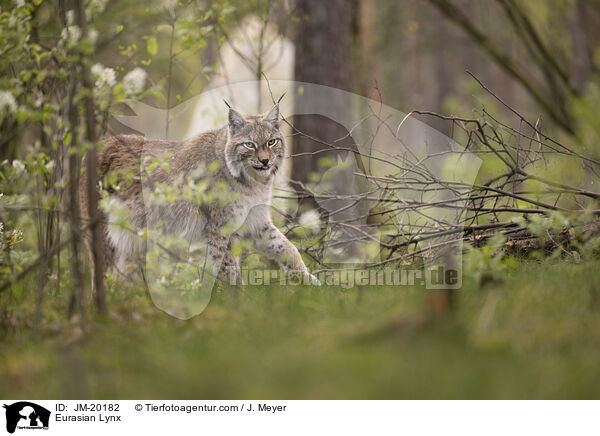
(533,334)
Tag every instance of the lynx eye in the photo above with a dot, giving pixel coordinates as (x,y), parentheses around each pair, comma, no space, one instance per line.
(271,142)
(249,145)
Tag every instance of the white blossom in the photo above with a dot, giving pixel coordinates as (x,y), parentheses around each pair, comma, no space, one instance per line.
(7,102)
(39,100)
(20,3)
(50,165)
(18,166)
(71,34)
(97,69)
(311,220)
(104,76)
(93,35)
(134,81)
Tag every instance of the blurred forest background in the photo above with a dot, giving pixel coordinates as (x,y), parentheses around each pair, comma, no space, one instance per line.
(515,82)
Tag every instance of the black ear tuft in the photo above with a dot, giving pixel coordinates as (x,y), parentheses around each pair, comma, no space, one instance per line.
(236,121)
(273,117)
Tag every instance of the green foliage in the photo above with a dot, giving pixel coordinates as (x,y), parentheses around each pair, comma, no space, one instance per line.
(51,68)
(533,335)
(488,262)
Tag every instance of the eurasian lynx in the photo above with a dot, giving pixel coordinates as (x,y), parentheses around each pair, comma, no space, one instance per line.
(237,164)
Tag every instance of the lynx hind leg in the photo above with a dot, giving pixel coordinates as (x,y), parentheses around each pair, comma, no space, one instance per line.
(128,253)
(128,256)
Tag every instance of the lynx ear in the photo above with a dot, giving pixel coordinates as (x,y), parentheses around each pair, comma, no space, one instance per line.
(273,116)
(236,121)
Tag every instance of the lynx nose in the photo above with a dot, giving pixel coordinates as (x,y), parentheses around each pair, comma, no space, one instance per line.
(264,161)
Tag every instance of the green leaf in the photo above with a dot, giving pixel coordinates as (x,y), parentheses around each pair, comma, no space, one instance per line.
(152,46)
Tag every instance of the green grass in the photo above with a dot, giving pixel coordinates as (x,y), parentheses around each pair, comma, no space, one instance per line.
(535,334)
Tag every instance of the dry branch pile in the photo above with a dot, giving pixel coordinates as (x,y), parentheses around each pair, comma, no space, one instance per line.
(531,189)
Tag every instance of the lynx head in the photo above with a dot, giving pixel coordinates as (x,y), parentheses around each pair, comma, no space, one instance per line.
(255,146)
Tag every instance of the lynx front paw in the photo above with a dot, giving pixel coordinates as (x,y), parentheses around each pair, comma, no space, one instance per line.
(311,279)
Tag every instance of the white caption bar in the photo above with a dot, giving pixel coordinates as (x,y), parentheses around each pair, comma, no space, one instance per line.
(23,417)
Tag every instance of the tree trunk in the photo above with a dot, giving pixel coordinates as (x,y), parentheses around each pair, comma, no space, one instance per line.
(581,60)
(368,66)
(97,238)
(77,300)
(442,73)
(323,41)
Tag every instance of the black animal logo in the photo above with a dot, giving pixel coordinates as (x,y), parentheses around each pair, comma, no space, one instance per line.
(26,415)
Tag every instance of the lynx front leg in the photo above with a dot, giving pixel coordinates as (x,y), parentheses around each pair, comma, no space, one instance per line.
(225,266)
(273,244)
